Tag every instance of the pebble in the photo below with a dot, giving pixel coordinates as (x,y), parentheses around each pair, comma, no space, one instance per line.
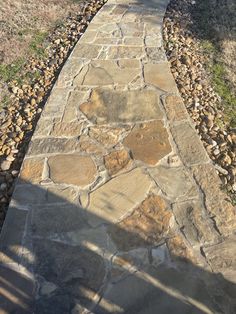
(17,121)
(203,104)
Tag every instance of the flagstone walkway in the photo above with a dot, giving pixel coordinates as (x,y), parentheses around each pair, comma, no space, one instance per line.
(118,208)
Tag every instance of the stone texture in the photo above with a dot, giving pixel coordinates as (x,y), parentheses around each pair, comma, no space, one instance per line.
(179,250)
(106,72)
(75,99)
(52,145)
(61,129)
(194,223)
(147,225)
(175,108)
(72,169)
(16,291)
(159,75)
(32,170)
(117,197)
(159,290)
(222,258)
(155,54)
(148,142)
(107,136)
(11,246)
(116,161)
(77,271)
(175,183)
(219,207)
(43,127)
(122,52)
(89,146)
(48,220)
(86,51)
(190,147)
(107,106)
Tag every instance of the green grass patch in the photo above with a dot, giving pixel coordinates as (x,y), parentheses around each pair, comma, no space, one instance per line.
(11,71)
(224,91)
(37,44)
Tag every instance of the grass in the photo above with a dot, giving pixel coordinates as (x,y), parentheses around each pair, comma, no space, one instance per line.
(36,46)
(212,21)
(11,71)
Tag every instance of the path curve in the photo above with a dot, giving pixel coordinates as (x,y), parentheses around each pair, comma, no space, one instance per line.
(118,208)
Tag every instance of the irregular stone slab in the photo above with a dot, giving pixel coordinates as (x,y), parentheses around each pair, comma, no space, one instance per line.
(58,194)
(48,220)
(132,29)
(12,233)
(66,129)
(107,136)
(176,183)
(86,51)
(43,127)
(160,290)
(22,293)
(190,147)
(116,161)
(148,142)
(122,52)
(107,106)
(147,225)
(175,108)
(71,68)
(222,258)
(179,250)
(96,240)
(159,74)
(75,99)
(25,194)
(106,72)
(155,54)
(219,207)
(72,169)
(32,169)
(194,223)
(117,197)
(40,146)
(77,271)
(89,146)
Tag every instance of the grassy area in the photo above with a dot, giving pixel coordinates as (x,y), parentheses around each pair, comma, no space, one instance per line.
(215,24)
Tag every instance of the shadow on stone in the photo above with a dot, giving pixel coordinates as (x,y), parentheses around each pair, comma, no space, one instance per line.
(54,261)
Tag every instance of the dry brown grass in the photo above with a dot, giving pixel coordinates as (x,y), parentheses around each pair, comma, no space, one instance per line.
(20,20)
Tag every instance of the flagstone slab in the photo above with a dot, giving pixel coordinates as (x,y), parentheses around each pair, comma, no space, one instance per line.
(159,75)
(32,170)
(148,142)
(76,271)
(61,129)
(175,108)
(175,183)
(40,146)
(72,169)
(108,106)
(190,147)
(117,161)
(108,136)
(117,197)
(146,226)
(106,72)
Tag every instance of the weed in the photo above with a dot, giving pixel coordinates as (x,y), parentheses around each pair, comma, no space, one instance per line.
(11,71)
(36,46)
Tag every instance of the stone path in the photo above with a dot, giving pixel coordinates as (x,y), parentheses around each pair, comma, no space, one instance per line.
(118,208)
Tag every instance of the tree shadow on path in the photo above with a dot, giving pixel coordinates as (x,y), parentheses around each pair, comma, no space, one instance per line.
(72,265)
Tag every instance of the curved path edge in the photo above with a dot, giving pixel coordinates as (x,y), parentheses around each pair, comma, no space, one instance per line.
(118,208)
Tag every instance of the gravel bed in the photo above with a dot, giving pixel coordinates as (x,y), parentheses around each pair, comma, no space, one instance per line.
(183,49)
(18,120)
